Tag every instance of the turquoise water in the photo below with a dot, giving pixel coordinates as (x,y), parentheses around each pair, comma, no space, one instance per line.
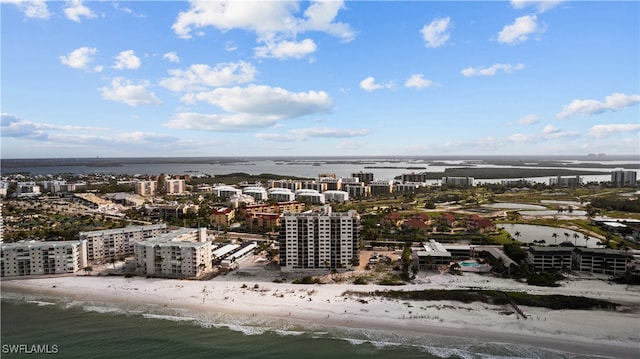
(93,330)
(469,264)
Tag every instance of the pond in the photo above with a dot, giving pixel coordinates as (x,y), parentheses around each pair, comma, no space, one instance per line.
(553,213)
(508,205)
(530,233)
(564,203)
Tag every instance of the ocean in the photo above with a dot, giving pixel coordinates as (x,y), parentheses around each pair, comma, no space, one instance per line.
(74,329)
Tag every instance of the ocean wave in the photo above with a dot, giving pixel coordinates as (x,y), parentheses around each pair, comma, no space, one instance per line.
(173,318)
(101,309)
(40,303)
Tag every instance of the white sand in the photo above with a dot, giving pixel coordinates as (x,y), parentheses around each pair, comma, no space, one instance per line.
(614,333)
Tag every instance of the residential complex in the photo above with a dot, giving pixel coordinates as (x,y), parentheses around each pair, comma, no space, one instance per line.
(624,178)
(41,258)
(319,240)
(184,253)
(110,244)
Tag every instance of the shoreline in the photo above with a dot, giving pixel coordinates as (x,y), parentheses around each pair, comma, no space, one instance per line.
(609,333)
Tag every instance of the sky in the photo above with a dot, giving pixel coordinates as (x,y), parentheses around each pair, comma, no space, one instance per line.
(319,78)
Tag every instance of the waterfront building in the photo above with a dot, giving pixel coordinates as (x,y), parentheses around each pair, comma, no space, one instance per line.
(185,253)
(432,254)
(476,224)
(569,182)
(381,186)
(146,188)
(364,177)
(109,244)
(457,181)
(600,260)
(550,258)
(319,241)
(624,178)
(415,177)
(4,187)
(41,258)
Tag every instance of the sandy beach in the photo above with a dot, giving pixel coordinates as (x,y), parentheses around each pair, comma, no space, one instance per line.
(252,298)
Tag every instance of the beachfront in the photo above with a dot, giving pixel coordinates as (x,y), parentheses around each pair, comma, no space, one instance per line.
(252,298)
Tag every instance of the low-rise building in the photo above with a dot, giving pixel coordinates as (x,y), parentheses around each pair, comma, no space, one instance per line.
(358,191)
(600,260)
(310,196)
(432,254)
(259,193)
(223,216)
(336,196)
(281,195)
(41,258)
(550,258)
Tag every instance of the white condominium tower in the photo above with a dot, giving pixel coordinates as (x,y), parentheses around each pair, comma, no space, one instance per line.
(320,240)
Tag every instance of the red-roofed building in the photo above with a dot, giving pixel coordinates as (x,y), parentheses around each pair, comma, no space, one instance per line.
(393,219)
(476,224)
(445,220)
(223,216)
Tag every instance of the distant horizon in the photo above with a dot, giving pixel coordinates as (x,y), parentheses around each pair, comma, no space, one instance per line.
(355,157)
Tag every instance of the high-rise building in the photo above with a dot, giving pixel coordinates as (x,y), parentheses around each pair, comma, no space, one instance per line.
(624,178)
(146,188)
(364,177)
(457,181)
(319,240)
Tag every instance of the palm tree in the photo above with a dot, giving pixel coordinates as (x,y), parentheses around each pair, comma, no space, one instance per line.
(555,237)
(575,238)
(566,235)
(586,240)
(517,234)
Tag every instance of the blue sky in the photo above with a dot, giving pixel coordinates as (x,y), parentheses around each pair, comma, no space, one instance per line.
(276,78)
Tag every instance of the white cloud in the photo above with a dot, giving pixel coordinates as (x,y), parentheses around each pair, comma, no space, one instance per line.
(549,129)
(33,9)
(417,81)
(230,46)
(540,5)
(75,9)
(286,49)
(369,84)
(520,138)
(126,91)
(200,76)
(350,145)
(171,57)
(127,60)
(528,120)
(613,102)
(436,33)
(599,131)
(520,30)
(275,21)
(491,71)
(250,107)
(79,58)
(16,127)
(303,134)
